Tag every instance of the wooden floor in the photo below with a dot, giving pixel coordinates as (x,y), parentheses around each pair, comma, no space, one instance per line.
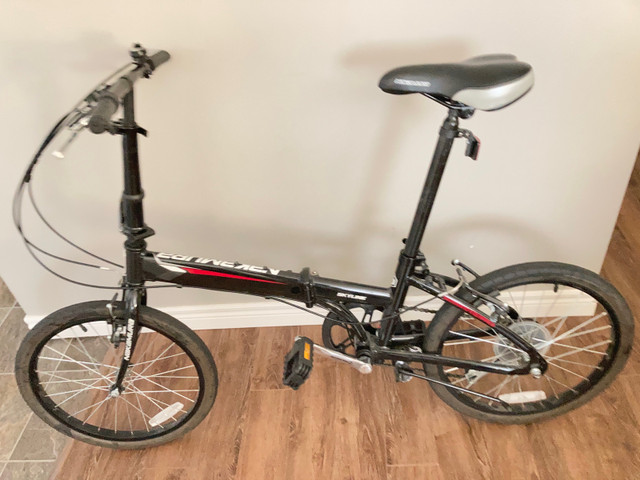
(342,425)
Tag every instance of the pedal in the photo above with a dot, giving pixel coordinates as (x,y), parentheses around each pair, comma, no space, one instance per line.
(298,363)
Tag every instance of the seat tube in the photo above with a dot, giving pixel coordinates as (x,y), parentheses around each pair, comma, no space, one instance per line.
(406,262)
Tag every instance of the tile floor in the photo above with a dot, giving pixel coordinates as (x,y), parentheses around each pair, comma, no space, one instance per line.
(28,447)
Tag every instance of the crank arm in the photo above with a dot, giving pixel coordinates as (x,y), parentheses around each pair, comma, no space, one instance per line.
(359,365)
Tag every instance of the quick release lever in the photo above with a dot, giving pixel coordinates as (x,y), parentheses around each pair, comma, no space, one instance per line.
(473,143)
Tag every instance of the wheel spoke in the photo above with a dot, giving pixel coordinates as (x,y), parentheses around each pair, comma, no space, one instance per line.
(486,341)
(153,401)
(66,358)
(129,418)
(157,358)
(162,373)
(161,386)
(568,371)
(101,337)
(76,394)
(90,406)
(156,400)
(67,380)
(577,327)
(144,420)
(106,389)
(84,350)
(560,383)
(164,391)
(594,367)
(575,350)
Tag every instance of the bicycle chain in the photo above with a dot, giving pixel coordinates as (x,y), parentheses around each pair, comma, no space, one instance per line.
(421,310)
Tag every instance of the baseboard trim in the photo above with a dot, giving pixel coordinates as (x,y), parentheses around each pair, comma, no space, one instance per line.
(274,314)
(239,315)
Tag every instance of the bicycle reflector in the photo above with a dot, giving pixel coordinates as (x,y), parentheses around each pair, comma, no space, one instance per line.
(298,363)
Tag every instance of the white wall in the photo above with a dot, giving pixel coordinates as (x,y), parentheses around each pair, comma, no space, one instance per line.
(270,142)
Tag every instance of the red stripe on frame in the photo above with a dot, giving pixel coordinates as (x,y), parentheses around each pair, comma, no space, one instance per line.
(226,275)
(471,312)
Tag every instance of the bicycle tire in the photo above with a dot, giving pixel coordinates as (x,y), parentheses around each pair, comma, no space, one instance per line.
(79,315)
(539,273)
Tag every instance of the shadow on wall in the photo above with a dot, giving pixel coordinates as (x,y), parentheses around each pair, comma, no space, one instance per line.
(348,251)
(351,250)
(520,237)
(379,58)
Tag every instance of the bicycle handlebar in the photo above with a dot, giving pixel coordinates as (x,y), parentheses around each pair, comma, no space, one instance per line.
(159,58)
(109,100)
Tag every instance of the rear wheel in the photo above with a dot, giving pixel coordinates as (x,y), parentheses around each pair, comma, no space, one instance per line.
(578,322)
(67,364)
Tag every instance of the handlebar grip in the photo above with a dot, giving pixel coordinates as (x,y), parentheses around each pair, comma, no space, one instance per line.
(159,58)
(102,113)
(110,99)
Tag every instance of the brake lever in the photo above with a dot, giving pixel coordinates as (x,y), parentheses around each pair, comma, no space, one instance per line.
(78,123)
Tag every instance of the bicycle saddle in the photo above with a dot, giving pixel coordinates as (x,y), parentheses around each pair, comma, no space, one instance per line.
(487,82)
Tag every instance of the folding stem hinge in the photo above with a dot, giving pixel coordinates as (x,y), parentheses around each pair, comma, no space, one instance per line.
(117,127)
(136,236)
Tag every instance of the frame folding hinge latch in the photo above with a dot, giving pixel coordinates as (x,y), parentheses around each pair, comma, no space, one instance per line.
(308,287)
(473,143)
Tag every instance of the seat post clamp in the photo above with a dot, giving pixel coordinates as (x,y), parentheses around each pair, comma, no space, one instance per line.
(473,143)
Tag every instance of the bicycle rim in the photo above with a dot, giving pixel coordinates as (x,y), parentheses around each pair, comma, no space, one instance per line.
(72,370)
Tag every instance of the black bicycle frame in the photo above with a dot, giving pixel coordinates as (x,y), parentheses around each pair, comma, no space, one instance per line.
(304,286)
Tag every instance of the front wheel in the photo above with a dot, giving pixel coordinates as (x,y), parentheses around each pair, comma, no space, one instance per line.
(67,364)
(577,320)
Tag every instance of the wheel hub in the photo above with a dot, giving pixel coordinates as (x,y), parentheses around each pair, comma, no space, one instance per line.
(533,332)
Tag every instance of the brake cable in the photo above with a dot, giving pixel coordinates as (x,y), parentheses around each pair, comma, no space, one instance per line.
(70,120)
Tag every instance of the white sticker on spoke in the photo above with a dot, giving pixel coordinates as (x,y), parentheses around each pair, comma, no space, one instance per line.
(523,397)
(165,414)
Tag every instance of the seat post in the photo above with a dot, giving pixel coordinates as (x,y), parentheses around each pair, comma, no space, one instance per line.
(406,262)
(448,133)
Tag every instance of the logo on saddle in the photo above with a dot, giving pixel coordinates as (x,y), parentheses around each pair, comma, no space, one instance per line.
(412,83)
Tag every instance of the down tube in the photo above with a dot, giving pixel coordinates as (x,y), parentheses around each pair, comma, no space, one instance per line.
(211,274)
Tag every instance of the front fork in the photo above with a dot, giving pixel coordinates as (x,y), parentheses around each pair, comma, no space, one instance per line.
(133,297)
